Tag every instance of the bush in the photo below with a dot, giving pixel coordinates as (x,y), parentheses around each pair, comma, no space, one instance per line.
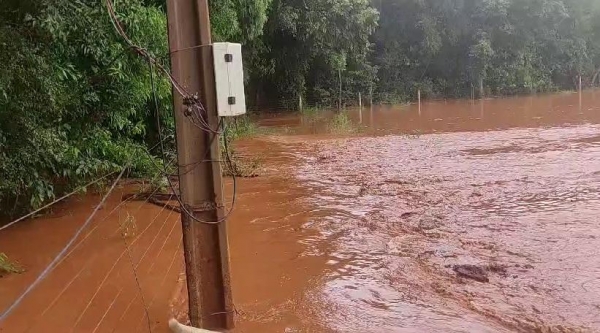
(74,101)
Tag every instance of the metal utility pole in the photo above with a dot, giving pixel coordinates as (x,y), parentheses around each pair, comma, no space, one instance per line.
(206,247)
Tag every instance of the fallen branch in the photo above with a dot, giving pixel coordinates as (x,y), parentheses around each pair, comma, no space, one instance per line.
(147,196)
(167,205)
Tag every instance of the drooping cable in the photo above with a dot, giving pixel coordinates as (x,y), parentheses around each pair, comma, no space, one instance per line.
(52,264)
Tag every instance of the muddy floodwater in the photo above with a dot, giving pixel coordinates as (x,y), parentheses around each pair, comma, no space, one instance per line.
(455,216)
(384,220)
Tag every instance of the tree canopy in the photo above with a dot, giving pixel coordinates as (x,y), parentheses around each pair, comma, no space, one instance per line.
(513,46)
(76,103)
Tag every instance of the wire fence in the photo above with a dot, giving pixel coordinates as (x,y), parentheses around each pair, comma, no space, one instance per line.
(113,272)
(116,270)
(104,278)
(350,99)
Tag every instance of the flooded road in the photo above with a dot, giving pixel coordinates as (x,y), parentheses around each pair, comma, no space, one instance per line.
(509,187)
(458,216)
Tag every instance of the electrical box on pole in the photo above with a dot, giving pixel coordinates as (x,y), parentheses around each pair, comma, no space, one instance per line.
(229,79)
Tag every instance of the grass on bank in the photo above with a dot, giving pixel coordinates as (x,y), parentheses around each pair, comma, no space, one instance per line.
(311,112)
(236,164)
(340,123)
(241,127)
(8,267)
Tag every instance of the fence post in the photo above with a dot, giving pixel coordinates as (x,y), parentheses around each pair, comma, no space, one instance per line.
(300,103)
(359,101)
(340,92)
(481,92)
(419,98)
(360,108)
(580,94)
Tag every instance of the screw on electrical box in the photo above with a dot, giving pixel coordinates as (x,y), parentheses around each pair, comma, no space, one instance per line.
(231,100)
(228,57)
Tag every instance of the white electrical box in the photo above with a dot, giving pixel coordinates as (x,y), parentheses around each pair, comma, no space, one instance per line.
(229,79)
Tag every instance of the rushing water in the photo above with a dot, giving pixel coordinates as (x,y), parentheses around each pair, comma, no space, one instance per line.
(364,232)
(511,186)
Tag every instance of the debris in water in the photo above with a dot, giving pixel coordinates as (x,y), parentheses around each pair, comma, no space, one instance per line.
(498,269)
(407,214)
(7,266)
(471,272)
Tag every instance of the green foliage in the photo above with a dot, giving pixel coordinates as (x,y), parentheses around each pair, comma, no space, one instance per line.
(514,46)
(304,46)
(243,166)
(238,21)
(240,127)
(340,123)
(73,98)
(235,164)
(8,266)
(311,112)
(76,103)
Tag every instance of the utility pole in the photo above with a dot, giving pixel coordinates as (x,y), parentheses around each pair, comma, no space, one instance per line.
(205,245)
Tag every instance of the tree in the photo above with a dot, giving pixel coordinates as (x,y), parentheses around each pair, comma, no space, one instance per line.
(303,39)
(73,98)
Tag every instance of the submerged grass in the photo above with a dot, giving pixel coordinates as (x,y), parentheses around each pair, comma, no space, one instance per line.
(245,167)
(340,123)
(7,266)
(311,114)
(242,127)
(128,227)
(310,111)
(235,164)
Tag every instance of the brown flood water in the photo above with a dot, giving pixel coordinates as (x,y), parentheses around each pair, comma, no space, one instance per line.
(361,233)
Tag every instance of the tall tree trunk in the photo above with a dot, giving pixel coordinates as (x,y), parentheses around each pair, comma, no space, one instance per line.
(481,90)
(595,77)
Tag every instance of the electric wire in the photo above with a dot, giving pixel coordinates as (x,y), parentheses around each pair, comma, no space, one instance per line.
(139,287)
(141,51)
(152,266)
(164,279)
(137,280)
(52,264)
(203,124)
(119,258)
(194,107)
(89,261)
(190,100)
(77,190)
(131,302)
(183,206)
(97,225)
